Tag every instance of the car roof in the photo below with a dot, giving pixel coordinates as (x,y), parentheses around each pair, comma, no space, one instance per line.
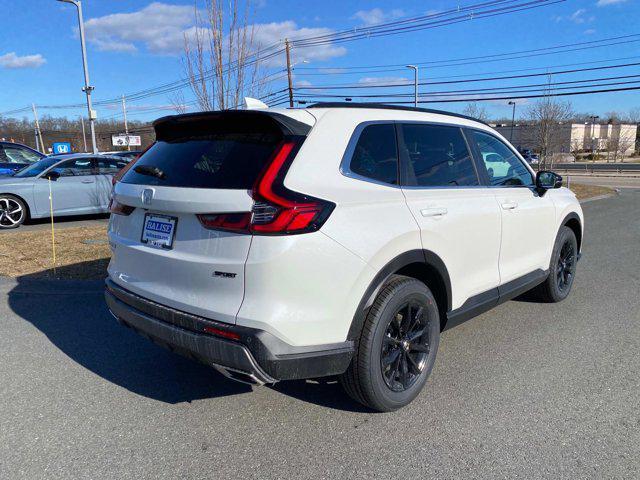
(21,145)
(385,106)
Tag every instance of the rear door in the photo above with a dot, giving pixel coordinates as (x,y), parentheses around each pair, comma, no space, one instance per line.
(528,220)
(458,217)
(107,167)
(161,250)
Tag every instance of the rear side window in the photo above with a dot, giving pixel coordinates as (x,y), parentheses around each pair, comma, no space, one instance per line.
(437,156)
(217,160)
(376,154)
(110,166)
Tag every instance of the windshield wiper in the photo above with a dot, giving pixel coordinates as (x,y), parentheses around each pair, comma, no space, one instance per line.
(148,170)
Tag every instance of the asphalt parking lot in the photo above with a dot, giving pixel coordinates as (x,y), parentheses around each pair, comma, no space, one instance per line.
(525,391)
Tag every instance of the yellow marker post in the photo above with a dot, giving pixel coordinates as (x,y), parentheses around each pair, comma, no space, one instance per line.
(53,234)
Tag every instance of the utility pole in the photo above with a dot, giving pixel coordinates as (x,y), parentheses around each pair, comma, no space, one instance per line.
(38,132)
(593,138)
(126,127)
(84,135)
(87,87)
(513,119)
(287,48)
(415,84)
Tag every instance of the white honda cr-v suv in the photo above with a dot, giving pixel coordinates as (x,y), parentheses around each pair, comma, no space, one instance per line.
(338,239)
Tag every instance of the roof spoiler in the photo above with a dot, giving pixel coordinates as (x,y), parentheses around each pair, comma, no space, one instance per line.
(236,121)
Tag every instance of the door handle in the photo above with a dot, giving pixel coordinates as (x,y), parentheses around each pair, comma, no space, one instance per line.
(509,205)
(433,212)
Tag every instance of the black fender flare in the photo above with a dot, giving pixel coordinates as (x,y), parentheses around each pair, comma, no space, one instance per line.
(426,257)
(576,217)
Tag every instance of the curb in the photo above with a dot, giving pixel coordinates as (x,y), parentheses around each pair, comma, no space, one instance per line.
(601,197)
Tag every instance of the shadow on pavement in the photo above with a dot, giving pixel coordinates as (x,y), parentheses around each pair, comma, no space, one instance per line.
(74,317)
(68,219)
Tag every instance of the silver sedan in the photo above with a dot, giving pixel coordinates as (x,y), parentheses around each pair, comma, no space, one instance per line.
(80,184)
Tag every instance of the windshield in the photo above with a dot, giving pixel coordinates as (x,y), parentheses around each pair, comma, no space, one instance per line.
(36,168)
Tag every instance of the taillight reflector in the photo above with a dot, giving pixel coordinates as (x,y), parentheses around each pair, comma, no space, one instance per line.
(222,333)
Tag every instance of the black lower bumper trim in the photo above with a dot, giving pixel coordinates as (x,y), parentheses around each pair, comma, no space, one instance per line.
(257,354)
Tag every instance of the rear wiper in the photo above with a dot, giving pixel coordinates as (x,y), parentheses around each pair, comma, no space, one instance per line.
(148,170)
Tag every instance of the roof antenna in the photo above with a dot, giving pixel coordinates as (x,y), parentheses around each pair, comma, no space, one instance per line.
(254,104)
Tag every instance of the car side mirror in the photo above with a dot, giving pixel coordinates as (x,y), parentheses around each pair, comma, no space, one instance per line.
(546,180)
(52,175)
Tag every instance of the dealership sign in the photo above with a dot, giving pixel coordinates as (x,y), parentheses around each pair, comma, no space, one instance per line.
(124,140)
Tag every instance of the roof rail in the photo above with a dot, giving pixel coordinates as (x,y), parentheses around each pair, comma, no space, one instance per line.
(387,106)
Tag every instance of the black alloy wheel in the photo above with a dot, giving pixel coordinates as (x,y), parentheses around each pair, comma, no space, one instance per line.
(405,347)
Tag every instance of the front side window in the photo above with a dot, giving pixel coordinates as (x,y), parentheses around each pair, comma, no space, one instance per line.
(20,155)
(74,168)
(502,165)
(376,155)
(437,156)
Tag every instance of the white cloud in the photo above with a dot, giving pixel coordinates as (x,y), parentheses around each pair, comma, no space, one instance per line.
(161,29)
(11,60)
(159,26)
(266,34)
(303,83)
(589,31)
(578,17)
(377,15)
(371,81)
(604,3)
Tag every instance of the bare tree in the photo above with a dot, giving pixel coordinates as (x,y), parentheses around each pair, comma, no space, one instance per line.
(547,114)
(619,143)
(177,100)
(634,115)
(475,110)
(220,58)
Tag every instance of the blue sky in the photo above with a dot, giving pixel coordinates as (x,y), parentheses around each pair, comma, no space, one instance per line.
(136,44)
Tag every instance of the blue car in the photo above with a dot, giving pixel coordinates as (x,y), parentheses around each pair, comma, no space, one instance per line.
(80,183)
(14,156)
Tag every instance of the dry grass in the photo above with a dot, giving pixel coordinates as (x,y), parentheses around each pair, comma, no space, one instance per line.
(29,253)
(587,191)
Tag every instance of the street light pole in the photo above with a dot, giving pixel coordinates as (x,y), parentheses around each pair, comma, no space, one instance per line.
(87,87)
(415,84)
(126,125)
(513,120)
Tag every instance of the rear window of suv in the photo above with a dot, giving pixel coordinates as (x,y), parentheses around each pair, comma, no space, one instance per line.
(223,160)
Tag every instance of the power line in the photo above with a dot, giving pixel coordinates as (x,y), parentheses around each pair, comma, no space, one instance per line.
(513,97)
(451,62)
(471,80)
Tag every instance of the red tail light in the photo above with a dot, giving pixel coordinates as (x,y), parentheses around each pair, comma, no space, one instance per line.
(276,209)
(120,209)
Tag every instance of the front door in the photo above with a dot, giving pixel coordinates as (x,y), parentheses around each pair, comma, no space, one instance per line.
(74,192)
(458,217)
(528,220)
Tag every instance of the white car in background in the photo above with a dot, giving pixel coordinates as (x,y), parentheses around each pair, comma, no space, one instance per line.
(80,184)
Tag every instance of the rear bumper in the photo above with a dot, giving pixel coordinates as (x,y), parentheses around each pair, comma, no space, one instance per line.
(255,357)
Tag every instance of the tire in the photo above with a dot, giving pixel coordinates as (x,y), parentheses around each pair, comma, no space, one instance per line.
(562,269)
(13,212)
(404,308)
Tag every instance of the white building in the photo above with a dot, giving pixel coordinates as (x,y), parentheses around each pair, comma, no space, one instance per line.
(616,140)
